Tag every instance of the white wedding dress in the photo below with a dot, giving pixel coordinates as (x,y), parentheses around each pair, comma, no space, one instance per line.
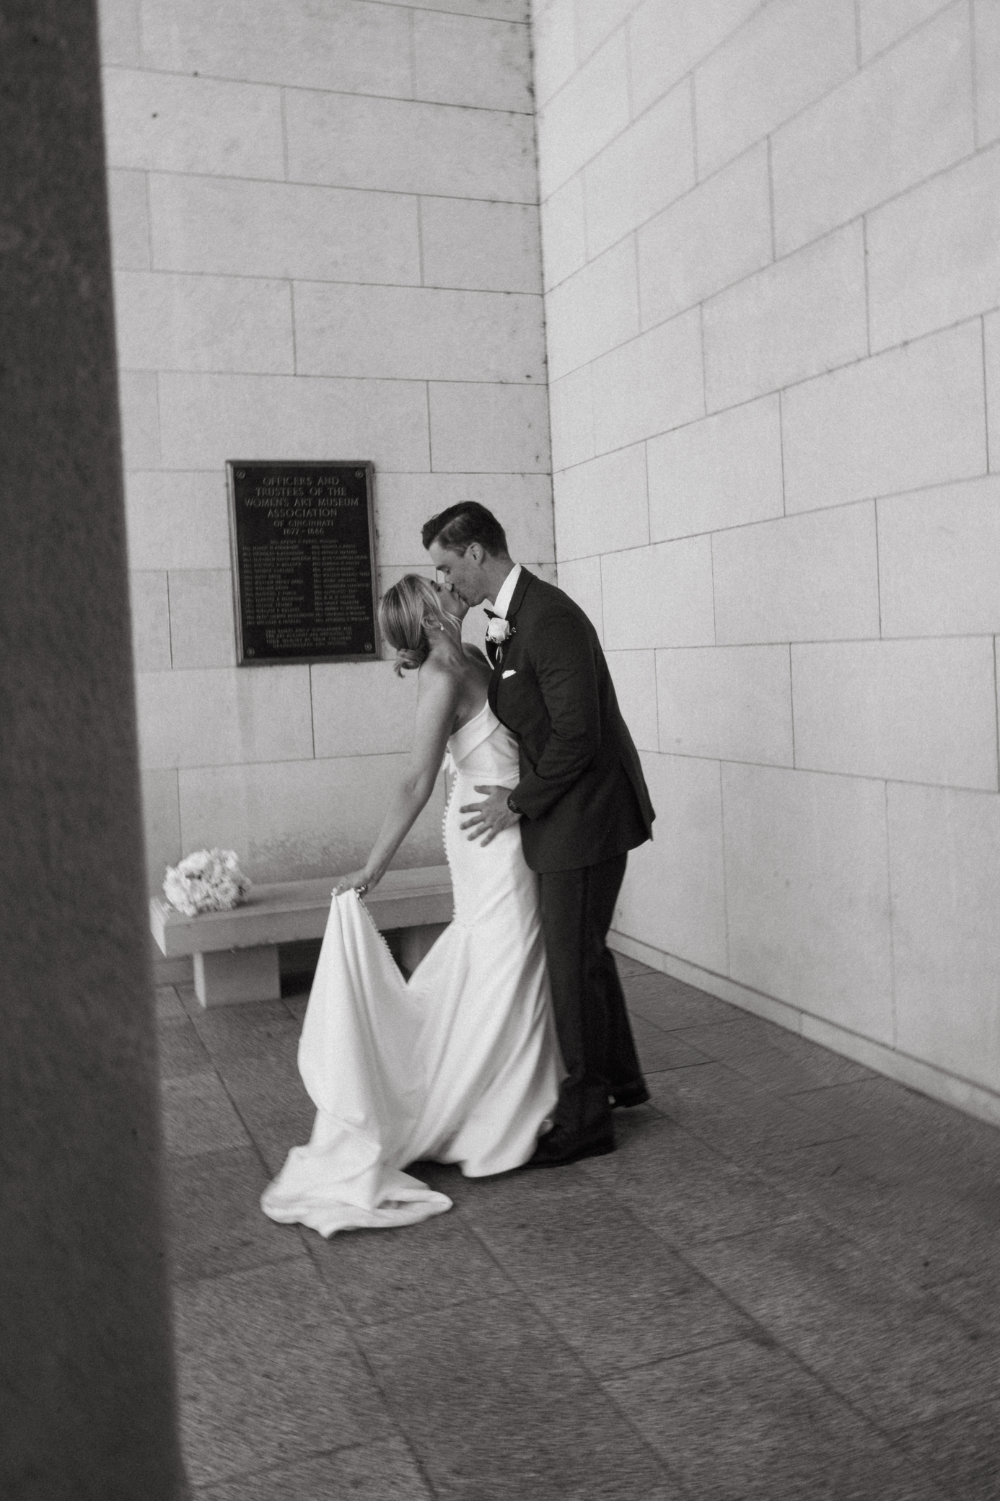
(458,1064)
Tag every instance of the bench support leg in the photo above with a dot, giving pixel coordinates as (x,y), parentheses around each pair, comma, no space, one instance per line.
(233,975)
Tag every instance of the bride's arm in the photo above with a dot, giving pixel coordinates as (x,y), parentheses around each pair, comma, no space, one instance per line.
(437,700)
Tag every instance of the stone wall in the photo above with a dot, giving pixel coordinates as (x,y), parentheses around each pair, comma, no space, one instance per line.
(770,245)
(326,246)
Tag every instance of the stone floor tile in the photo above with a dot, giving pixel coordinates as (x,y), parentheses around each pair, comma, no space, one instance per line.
(266,1087)
(214,1219)
(659,1050)
(381,1275)
(786,1073)
(732,1114)
(180,1050)
(198,1116)
(730,1041)
(670,1003)
(296,1006)
(686,1191)
(744,1422)
(274,1135)
(267,1374)
(961,1452)
(894,1352)
(254,1030)
(168,1006)
(488,1390)
(385,1471)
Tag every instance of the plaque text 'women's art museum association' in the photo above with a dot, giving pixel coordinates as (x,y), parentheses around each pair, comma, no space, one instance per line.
(303,561)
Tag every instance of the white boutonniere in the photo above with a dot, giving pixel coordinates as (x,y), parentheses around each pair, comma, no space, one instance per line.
(498,630)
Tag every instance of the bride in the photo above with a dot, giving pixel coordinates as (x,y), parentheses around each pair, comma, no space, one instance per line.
(460,1063)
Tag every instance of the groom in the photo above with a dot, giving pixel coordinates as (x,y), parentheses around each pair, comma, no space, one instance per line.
(581,802)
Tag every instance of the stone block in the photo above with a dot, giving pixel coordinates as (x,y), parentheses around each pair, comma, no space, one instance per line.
(649,385)
(986,48)
(800,578)
(119,32)
(293,44)
(991,336)
(471,60)
(592,311)
(731,703)
(932,253)
(905,116)
(140,416)
(236,228)
(202,629)
(338,691)
(235,975)
(223,716)
(659,596)
(910,417)
(634,675)
(483,246)
(945,859)
(161,821)
(177,520)
(588,112)
(128,211)
(713,236)
(564,232)
(291,820)
(554,47)
(595,21)
(807,892)
(797,318)
(150,621)
(521,502)
(571,413)
(601,506)
(788,54)
(410,147)
(883,22)
(581,579)
(909,711)
(939,561)
(667,41)
(722,471)
(170,322)
(418,333)
(208,419)
(674,894)
(477,427)
(646,167)
(205,125)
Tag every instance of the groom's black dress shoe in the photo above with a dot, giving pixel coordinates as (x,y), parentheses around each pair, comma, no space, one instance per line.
(557,1148)
(629,1095)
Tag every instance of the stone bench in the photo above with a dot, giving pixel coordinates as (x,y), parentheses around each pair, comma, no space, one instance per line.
(236,953)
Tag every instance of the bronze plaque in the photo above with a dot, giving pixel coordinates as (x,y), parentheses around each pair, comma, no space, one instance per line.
(303,540)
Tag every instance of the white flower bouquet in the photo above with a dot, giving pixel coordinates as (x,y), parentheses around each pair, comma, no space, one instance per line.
(207,881)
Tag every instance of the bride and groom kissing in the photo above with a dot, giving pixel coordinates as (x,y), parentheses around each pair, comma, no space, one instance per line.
(510,1043)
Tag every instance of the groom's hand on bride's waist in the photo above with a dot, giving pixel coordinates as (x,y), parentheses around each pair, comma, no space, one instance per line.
(490,817)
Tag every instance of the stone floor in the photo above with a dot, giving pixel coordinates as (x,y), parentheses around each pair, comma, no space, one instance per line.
(783,1284)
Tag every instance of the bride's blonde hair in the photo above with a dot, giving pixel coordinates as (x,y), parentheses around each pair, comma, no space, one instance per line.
(403,614)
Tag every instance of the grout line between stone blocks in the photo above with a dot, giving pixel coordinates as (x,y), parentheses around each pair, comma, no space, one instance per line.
(781,449)
(284,133)
(868,305)
(878,571)
(986,398)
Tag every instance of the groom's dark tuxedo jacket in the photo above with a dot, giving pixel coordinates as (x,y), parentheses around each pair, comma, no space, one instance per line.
(582,791)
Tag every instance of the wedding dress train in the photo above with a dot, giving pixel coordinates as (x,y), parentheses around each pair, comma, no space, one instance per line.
(458,1064)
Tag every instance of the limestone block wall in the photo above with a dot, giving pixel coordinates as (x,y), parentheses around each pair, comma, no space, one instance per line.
(770,246)
(325,233)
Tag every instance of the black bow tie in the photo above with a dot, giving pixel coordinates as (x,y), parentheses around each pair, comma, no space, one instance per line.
(490,614)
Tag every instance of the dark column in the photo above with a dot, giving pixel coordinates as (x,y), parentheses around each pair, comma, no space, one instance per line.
(86,1387)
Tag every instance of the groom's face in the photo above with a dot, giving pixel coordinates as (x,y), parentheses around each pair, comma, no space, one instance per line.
(462,572)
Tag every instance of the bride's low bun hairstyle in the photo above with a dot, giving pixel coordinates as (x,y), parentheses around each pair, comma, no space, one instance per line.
(403,612)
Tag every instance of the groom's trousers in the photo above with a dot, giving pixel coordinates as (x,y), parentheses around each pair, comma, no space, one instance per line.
(588,1004)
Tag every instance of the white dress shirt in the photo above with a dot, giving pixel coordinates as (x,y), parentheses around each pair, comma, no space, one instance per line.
(506,592)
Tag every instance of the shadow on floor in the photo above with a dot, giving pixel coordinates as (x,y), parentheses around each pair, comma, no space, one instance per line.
(783,1284)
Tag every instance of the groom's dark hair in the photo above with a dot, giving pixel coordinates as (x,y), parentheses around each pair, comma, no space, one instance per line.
(467,522)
